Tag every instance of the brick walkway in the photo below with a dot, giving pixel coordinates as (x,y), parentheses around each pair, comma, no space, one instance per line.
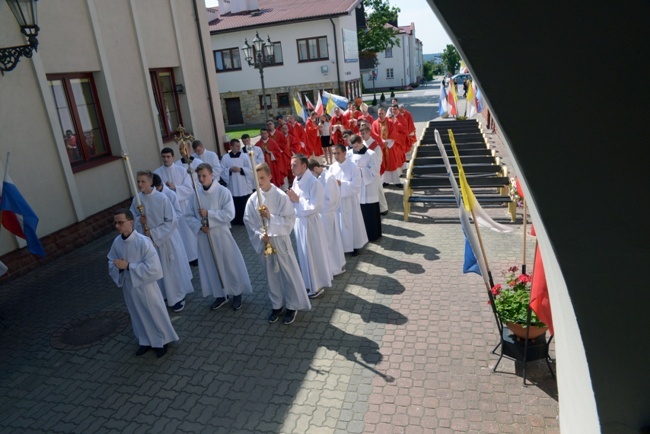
(400,343)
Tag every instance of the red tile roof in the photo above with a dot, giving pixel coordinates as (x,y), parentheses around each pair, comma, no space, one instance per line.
(281,11)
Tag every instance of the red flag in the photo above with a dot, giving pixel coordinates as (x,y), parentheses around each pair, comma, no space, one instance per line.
(539,301)
(319,106)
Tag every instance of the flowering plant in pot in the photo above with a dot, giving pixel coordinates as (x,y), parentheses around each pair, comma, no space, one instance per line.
(511,302)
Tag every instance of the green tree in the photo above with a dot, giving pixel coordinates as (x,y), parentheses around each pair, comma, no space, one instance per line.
(376,36)
(428,68)
(451,59)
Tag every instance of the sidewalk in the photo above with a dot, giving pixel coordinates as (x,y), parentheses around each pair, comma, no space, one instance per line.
(400,343)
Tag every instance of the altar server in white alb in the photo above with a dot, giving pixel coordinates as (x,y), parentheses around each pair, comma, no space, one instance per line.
(374,146)
(307,196)
(134,266)
(159,222)
(286,286)
(206,156)
(186,160)
(176,178)
(330,216)
(364,159)
(223,271)
(237,173)
(162,188)
(348,176)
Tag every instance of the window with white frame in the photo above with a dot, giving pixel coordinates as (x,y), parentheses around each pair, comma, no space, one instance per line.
(389,53)
(389,73)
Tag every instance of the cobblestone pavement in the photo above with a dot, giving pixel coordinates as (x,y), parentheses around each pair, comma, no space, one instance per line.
(400,343)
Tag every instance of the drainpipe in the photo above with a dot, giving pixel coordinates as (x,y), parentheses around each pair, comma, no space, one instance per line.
(207,78)
(336,52)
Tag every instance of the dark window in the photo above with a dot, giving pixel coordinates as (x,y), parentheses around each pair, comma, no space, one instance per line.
(164,92)
(268,102)
(277,54)
(283,100)
(389,72)
(312,49)
(80,117)
(227,60)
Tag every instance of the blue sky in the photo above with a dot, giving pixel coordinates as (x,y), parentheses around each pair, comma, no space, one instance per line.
(427,27)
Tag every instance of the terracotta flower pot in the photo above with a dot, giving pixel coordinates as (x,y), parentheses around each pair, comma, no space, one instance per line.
(520,331)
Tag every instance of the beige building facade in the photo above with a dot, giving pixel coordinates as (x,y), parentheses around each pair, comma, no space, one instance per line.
(109,77)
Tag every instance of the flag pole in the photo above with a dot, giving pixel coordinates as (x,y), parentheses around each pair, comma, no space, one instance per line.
(134,188)
(183,139)
(523,266)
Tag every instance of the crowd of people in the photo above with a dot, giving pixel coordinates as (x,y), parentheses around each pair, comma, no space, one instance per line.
(324,181)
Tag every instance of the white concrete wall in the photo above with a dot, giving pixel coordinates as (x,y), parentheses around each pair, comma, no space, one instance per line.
(118,42)
(291,72)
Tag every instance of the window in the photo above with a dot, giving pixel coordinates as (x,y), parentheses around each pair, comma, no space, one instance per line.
(283,100)
(389,72)
(164,92)
(312,49)
(227,60)
(268,102)
(80,117)
(389,52)
(277,54)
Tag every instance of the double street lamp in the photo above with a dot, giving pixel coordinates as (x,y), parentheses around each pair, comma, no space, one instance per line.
(258,56)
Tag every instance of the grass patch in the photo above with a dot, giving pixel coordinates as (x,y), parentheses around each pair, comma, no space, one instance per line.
(236,133)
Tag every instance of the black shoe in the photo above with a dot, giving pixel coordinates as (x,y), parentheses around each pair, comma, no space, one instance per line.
(143,349)
(218,302)
(289,316)
(275,314)
(384,213)
(236,302)
(161,351)
(179,306)
(385,184)
(194,263)
(316,294)
(355,252)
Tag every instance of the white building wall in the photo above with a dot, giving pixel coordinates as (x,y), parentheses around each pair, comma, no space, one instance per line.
(291,72)
(118,42)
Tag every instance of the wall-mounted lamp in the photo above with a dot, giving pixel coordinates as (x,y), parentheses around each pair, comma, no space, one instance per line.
(25,13)
(180,88)
(324,69)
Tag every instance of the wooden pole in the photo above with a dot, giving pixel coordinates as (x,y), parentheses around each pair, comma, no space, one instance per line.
(135,190)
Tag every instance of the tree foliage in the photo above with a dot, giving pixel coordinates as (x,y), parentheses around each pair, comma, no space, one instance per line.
(376,37)
(451,59)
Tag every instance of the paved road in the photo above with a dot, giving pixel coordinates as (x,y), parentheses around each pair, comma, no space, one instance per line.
(400,343)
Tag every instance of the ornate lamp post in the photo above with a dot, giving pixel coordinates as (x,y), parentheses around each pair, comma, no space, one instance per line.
(258,56)
(25,13)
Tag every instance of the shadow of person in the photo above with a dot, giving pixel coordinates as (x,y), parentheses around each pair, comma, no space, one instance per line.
(382,284)
(351,346)
(369,311)
(399,231)
(391,265)
(408,247)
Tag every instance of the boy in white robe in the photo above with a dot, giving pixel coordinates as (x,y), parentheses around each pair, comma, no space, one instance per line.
(159,222)
(134,266)
(177,179)
(330,216)
(348,176)
(307,196)
(372,144)
(171,195)
(364,159)
(208,157)
(223,271)
(237,174)
(286,286)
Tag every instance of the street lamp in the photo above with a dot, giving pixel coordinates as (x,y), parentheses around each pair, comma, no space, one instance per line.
(25,13)
(258,56)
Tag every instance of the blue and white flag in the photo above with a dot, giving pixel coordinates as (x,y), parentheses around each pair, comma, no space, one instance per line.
(339,100)
(442,104)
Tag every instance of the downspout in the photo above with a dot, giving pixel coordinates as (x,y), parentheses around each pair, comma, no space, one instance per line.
(207,79)
(336,52)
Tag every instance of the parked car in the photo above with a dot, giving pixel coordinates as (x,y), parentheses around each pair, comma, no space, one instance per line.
(460,78)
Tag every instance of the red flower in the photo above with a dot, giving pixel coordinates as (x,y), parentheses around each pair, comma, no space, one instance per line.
(524,278)
(513,269)
(496,289)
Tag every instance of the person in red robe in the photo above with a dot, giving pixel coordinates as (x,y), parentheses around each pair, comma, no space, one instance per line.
(351,113)
(338,124)
(281,122)
(410,124)
(313,135)
(365,114)
(279,138)
(272,157)
(297,130)
(386,129)
(401,125)
(294,145)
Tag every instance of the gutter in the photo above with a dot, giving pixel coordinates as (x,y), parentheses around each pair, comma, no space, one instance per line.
(336,53)
(207,79)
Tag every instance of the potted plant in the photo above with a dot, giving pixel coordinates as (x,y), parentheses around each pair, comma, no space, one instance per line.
(511,302)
